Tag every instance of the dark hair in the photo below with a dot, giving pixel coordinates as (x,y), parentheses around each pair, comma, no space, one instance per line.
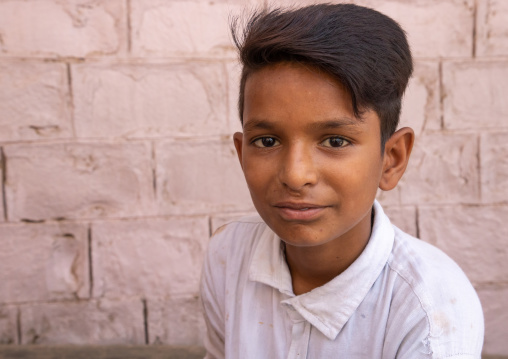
(361,48)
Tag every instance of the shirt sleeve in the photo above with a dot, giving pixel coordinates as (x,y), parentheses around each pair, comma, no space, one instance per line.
(212,297)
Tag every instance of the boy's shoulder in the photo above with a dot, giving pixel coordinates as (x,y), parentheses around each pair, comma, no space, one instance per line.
(424,266)
(443,292)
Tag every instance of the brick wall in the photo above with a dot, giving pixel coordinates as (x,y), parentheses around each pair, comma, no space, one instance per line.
(117,160)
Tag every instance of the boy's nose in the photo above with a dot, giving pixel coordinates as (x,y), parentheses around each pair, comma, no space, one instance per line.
(298,169)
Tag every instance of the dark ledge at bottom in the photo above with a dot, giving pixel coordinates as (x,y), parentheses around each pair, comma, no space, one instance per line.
(113,352)
(100,352)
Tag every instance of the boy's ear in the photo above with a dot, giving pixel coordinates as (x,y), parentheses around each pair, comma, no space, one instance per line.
(396,156)
(238,140)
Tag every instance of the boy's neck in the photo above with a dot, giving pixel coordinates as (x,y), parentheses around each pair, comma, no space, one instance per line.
(312,267)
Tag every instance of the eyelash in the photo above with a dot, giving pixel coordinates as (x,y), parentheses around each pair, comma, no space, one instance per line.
(258,142)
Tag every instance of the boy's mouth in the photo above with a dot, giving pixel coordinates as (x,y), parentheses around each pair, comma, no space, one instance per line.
(299,211)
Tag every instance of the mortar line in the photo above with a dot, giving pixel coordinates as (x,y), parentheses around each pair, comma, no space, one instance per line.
(210,226)
(129,27)
(145,320)
(3,160)
(90,267)
(417,222)
(475,20)
(18,325)
(441,94)
(479,166)
(71,98)
(154,169)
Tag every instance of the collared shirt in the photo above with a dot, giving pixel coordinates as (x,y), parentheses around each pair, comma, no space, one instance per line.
(401,298)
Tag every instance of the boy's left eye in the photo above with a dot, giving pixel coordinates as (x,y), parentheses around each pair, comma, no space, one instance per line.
(335,142)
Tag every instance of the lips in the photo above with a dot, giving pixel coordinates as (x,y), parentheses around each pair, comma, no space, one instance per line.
(293,211)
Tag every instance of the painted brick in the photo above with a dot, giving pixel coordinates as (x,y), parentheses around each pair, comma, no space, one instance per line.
(443,168)
(492,28)
(78,180)
(148,258)
(62,28)
(176,321)
(494,167)
(403,217)
(475,237)
(475,94)
(150,100)
(85,322)
(8,324)
(435,28)
(166,28)
(420,106)
(200,176)
(494,310)
(48,262)
(34,101)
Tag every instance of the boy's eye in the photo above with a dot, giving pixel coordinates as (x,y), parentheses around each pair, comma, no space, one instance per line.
(265,142)
(335,142)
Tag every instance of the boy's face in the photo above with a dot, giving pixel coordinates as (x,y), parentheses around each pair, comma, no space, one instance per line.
(312,168)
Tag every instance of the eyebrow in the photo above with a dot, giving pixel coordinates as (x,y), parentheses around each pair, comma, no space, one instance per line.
(335,123)
(255,124)
(341,122)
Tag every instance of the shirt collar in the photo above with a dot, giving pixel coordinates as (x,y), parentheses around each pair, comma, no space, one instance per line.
(330,306)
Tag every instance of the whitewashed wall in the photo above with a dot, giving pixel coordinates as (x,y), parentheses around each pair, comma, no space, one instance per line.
(117,160)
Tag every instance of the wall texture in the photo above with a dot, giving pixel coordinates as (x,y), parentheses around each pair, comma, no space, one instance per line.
(117,160)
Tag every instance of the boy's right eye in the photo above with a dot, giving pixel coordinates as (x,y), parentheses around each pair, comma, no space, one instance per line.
(266,142)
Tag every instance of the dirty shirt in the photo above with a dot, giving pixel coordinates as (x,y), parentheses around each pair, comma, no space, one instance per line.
(401,298)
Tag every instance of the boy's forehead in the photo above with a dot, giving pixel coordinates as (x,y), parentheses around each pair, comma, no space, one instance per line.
(274,91)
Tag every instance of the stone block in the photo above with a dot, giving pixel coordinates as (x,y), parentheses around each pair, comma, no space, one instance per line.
(8,324)
(83,323)
(47,28)
(443,168)
(176,321)
(494,310)
(435,28)
(404,218)
(34,100)
(420,106)
(200,176)
(494,167)
(492,28)
(475,94)
(149,257)
(78,180)
(43,262)
(136,101)
(474,236)
(163,28)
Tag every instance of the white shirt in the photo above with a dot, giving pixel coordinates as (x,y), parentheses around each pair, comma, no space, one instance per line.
(401,298)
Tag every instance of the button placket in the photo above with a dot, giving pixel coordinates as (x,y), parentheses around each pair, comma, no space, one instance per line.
(300,334)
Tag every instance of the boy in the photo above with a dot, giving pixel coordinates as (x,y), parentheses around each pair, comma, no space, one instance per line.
(322,273)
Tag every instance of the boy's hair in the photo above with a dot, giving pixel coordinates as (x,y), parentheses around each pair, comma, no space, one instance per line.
(361,48)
